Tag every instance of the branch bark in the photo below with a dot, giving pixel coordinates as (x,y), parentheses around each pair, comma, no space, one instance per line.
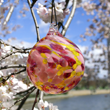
(3,79)
(70,18)
(23,100)
(2,42)
(23,92)
(8,15)
(35,21)
(11,53)
(12,66)
(37,93)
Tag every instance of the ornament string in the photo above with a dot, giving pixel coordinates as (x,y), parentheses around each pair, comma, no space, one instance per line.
(53,6)
(55,14)
(52,11)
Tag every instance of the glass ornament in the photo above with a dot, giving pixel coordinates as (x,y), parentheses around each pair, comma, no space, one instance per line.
(55,64)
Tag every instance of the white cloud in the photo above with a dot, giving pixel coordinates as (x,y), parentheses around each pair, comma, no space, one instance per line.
(43,27)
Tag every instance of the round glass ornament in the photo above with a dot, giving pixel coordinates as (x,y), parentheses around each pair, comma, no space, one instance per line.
(55,64)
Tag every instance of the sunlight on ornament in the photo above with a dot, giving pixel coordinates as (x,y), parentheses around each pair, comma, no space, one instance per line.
(55,64)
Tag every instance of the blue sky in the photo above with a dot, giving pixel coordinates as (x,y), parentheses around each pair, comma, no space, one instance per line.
(27,31)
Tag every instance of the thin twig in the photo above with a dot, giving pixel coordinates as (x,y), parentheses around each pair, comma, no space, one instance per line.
(2,42)
(12,66)
(34,1)
(67,1)
(8,15)
(23,100)
(11,53)
(70,18)
(61,23)
(55,14)
(22,92)
(37,93)
(5,78)
(35,21)
(29,91)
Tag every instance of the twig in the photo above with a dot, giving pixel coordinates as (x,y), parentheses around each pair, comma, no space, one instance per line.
(35,21)
(12,66)
(23,100)
(22,92)
(2,42)
(61,23)
(11,53)
(29,90)
(34,1)
(8,15)
(37,93)
(5,78)
(70,18)
(67,1)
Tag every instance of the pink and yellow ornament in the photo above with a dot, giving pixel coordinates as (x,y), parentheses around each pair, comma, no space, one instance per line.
(55,64)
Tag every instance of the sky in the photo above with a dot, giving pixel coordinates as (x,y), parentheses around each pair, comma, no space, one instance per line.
(27,33)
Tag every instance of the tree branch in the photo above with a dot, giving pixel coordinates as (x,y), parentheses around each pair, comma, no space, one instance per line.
(67,1)
(22,92)
(11,53)
(61,23)
(70,18)
(35,21)
(23,100)
(12,66)
(37,93)
(3,79)
(8,15)
(2,42)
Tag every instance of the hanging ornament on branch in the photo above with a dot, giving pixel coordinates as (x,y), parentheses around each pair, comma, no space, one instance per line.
(55,64)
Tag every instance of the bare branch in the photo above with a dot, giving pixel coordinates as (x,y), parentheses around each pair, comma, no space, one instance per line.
(35,21)
(3,79)
(2,42)
(8,15)
(70,18)
(34,1)
(11,53)
(37,93)
(23,100)
(23,92)
(12,66)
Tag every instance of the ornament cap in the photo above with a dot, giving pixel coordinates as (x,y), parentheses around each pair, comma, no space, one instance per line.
(53,26)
